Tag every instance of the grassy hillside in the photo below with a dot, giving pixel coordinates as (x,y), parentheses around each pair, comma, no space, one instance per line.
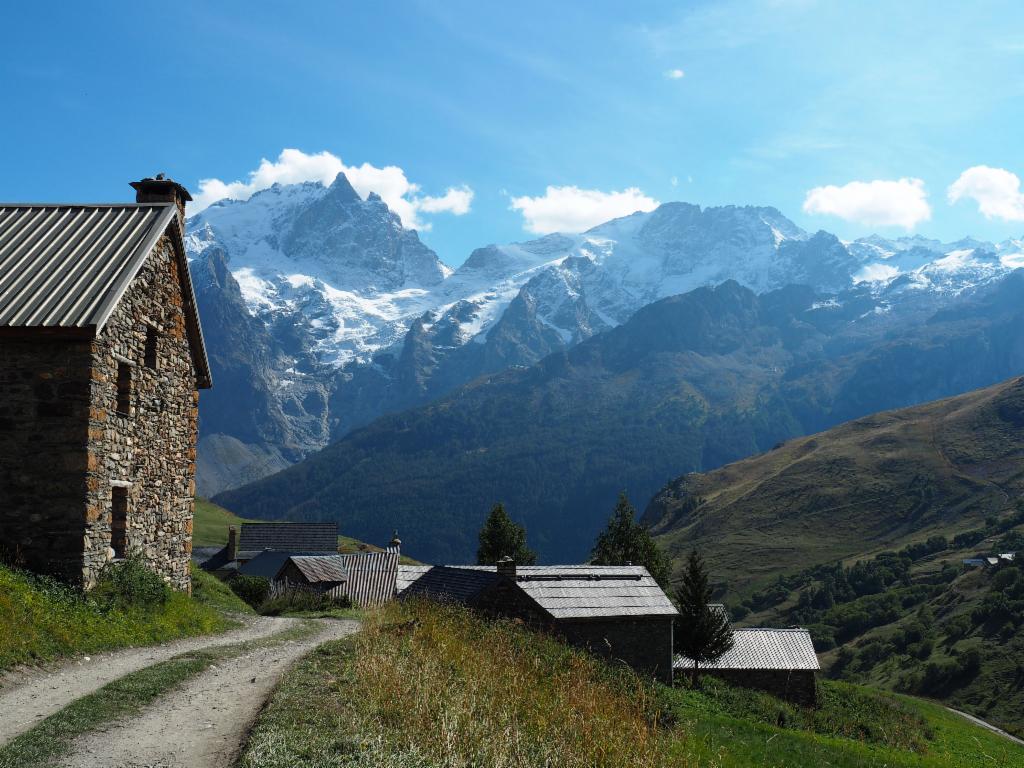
(435,685)
(42,619)
(860,532)
(873,484)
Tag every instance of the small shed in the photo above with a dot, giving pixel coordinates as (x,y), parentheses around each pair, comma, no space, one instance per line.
(322,574)
(781,662)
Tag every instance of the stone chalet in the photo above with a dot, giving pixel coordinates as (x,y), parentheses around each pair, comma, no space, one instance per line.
(618,612)
(779,661)
(101,363)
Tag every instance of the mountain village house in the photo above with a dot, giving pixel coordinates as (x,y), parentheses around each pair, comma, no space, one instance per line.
(101,363)
(617,612)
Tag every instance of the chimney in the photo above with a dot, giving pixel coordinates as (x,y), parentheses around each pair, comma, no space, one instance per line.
(232,542)
(507,567)
(396,543)
(162,190)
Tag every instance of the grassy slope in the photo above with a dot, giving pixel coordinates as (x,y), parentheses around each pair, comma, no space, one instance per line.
(872,484)
(42,620)
(433,685)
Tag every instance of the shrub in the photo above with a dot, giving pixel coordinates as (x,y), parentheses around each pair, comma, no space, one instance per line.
(252,589)
(129,584)
(299,600)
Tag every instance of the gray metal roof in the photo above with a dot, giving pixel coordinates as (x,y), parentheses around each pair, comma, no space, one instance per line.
(565,591)
(779,649)
(320,568)
(67,266)
(407,575)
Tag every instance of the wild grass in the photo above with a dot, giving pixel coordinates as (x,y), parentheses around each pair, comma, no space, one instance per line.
(43,619)
(435,685)
(427,685)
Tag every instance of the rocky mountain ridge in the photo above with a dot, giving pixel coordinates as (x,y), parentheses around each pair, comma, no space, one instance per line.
(343,315)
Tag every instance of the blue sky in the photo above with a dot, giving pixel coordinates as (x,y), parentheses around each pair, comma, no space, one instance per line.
(712,103)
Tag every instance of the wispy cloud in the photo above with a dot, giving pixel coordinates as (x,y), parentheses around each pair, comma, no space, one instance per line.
(571,209)
(294,166)
(995,190)
(883,203)
(674,74)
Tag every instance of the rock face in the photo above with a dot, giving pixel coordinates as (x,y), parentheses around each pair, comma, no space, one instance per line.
(98,437)
(325,313)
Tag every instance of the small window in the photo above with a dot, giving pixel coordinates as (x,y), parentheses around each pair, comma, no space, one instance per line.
(119,521)
(151,341)
(124,388)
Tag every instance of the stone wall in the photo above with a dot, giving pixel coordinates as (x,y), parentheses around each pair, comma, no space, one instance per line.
(150,450)
(44,414)
(643,643)
(798,686)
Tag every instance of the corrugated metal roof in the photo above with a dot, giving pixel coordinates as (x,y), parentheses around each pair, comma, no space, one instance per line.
(781,649)
(67,266)
(292,537)
(371,577)
(320,568)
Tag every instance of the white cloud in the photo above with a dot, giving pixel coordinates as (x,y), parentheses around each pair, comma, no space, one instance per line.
(901,203)
(674,181)
(571,209)
(674,74)
(294,166)
(995,190)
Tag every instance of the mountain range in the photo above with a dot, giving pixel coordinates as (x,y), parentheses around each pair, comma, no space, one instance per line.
(323,313)
(688,383)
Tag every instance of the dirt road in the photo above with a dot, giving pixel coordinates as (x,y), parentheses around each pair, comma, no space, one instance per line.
(202,724)
(28,697)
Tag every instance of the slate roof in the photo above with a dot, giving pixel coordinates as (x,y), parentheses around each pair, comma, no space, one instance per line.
(321,568)
(268,564)
(407,575)
(447,582)
(767,649)
(313,538)
(67,266)
(563,591)
(371,576)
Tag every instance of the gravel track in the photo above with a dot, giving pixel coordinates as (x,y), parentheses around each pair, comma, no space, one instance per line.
(28,696)
(203,723)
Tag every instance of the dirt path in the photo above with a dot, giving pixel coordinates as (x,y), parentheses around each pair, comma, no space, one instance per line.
(202,724)
(28,697)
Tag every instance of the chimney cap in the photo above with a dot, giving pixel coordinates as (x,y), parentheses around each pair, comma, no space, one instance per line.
(161,186)
(506,566)
(395,541)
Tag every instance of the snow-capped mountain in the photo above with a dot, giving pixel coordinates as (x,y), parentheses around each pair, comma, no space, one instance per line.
(345,315)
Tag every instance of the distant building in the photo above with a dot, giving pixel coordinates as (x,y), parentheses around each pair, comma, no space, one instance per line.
(974,562)
(101,363)
(250,540)
(781,662)
(618,612)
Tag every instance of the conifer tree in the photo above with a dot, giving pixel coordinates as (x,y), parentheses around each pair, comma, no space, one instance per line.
(702,634)
(500,537)
(625,541)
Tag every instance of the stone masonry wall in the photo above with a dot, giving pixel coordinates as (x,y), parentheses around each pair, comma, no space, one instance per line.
(150,451)
(44,412)
(645,644)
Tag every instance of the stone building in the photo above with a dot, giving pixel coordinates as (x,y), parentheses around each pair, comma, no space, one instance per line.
(101,363)
(781,662)
(618,612)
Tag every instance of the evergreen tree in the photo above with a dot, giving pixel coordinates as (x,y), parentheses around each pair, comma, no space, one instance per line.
(500,537)
(624,541)
(702,634)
